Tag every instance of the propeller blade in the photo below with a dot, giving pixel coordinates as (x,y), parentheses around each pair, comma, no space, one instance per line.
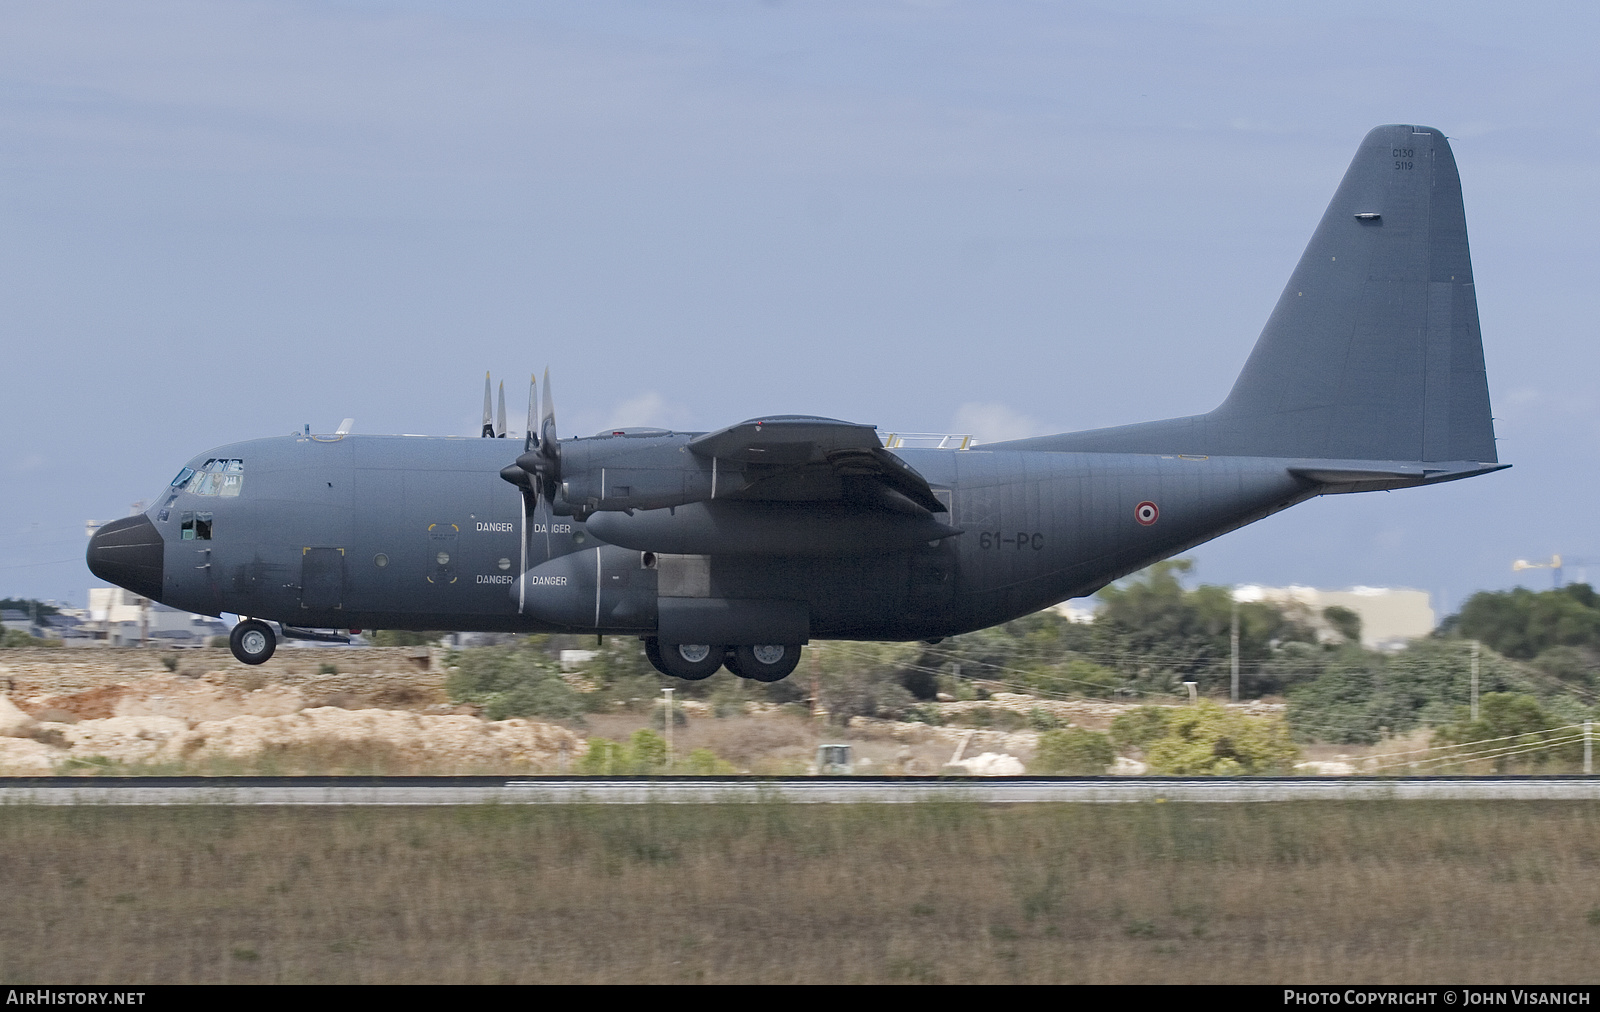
(542,457)
(488,420)
(500,414)
(531,439)
(547,423)
(549,441)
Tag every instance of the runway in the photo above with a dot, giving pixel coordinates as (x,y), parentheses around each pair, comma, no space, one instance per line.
(350,791)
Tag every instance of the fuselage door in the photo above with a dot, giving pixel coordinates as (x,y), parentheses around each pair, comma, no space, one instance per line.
(322,579)
(442,551)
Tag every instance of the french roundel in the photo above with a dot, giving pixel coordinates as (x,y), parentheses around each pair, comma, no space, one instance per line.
(1146,512)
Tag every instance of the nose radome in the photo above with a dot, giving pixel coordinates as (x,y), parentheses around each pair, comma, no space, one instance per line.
(129,553)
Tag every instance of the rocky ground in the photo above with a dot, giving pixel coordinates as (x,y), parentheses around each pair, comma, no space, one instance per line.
(385,711)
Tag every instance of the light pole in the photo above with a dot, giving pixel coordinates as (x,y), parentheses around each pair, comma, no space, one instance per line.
(1476,648)
(1233,642)
(667,725)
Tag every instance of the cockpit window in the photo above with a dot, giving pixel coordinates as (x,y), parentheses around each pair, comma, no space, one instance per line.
(183,477)
(196,526)
(220,476)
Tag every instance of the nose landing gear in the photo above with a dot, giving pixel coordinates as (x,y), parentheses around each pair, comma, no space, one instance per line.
(252,641)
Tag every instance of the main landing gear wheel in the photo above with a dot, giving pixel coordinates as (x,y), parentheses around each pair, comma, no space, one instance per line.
(252,641)
(691,661)
(652,653)
(765,663)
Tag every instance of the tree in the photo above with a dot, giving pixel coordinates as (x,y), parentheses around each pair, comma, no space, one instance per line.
(1522,624)
(1512,730)
(1344,621)
(1363,693)
(1164,634)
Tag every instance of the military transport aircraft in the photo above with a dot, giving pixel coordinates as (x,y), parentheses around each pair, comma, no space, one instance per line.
(736,547)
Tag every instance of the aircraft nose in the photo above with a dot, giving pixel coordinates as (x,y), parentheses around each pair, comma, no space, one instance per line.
(129,553)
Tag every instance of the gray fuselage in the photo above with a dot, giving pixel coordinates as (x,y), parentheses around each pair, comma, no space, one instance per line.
(408,532)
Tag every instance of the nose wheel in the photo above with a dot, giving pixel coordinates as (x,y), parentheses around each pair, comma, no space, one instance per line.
(252,641)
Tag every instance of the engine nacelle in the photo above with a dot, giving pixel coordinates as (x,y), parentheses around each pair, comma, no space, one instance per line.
(615,590)
(629,469)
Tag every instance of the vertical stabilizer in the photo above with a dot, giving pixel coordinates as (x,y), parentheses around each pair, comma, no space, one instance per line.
(1373,351)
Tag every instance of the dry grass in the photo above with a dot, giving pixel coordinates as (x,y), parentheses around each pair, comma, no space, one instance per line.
(1303,892)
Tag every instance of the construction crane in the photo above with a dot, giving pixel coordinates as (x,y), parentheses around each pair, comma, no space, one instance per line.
(1554,565)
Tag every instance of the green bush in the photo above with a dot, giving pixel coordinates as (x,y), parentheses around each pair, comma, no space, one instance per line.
(1134,730)
(1040,720)
(645,752)
(1072,751)
(515,681)
(702,762)
(1212,739)
(1512,731)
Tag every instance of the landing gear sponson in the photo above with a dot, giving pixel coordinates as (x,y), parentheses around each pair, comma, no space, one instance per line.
(769,662)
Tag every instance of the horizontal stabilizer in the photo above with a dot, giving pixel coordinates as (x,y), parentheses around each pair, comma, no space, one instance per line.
(1369,476)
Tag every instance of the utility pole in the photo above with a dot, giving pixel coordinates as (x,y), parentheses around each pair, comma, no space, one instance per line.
(668,725)
(1588,747)
(1475,648)
(1233,641)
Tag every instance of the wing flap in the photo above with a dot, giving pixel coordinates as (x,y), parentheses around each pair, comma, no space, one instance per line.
(782,452)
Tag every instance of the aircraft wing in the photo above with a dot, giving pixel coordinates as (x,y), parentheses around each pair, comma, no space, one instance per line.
(804,456)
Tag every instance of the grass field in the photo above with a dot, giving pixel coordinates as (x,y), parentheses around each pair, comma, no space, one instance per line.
(1284,892)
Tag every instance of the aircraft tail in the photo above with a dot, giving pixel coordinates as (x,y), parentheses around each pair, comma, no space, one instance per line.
(1373,351)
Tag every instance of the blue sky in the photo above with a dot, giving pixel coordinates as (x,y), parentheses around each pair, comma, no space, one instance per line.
(222,221)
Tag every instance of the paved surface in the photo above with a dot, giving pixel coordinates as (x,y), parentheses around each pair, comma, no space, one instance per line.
(824,790)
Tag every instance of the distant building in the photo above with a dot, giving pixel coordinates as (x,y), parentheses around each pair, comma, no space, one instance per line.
(120,618)
(1079,610)
(1390,617)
